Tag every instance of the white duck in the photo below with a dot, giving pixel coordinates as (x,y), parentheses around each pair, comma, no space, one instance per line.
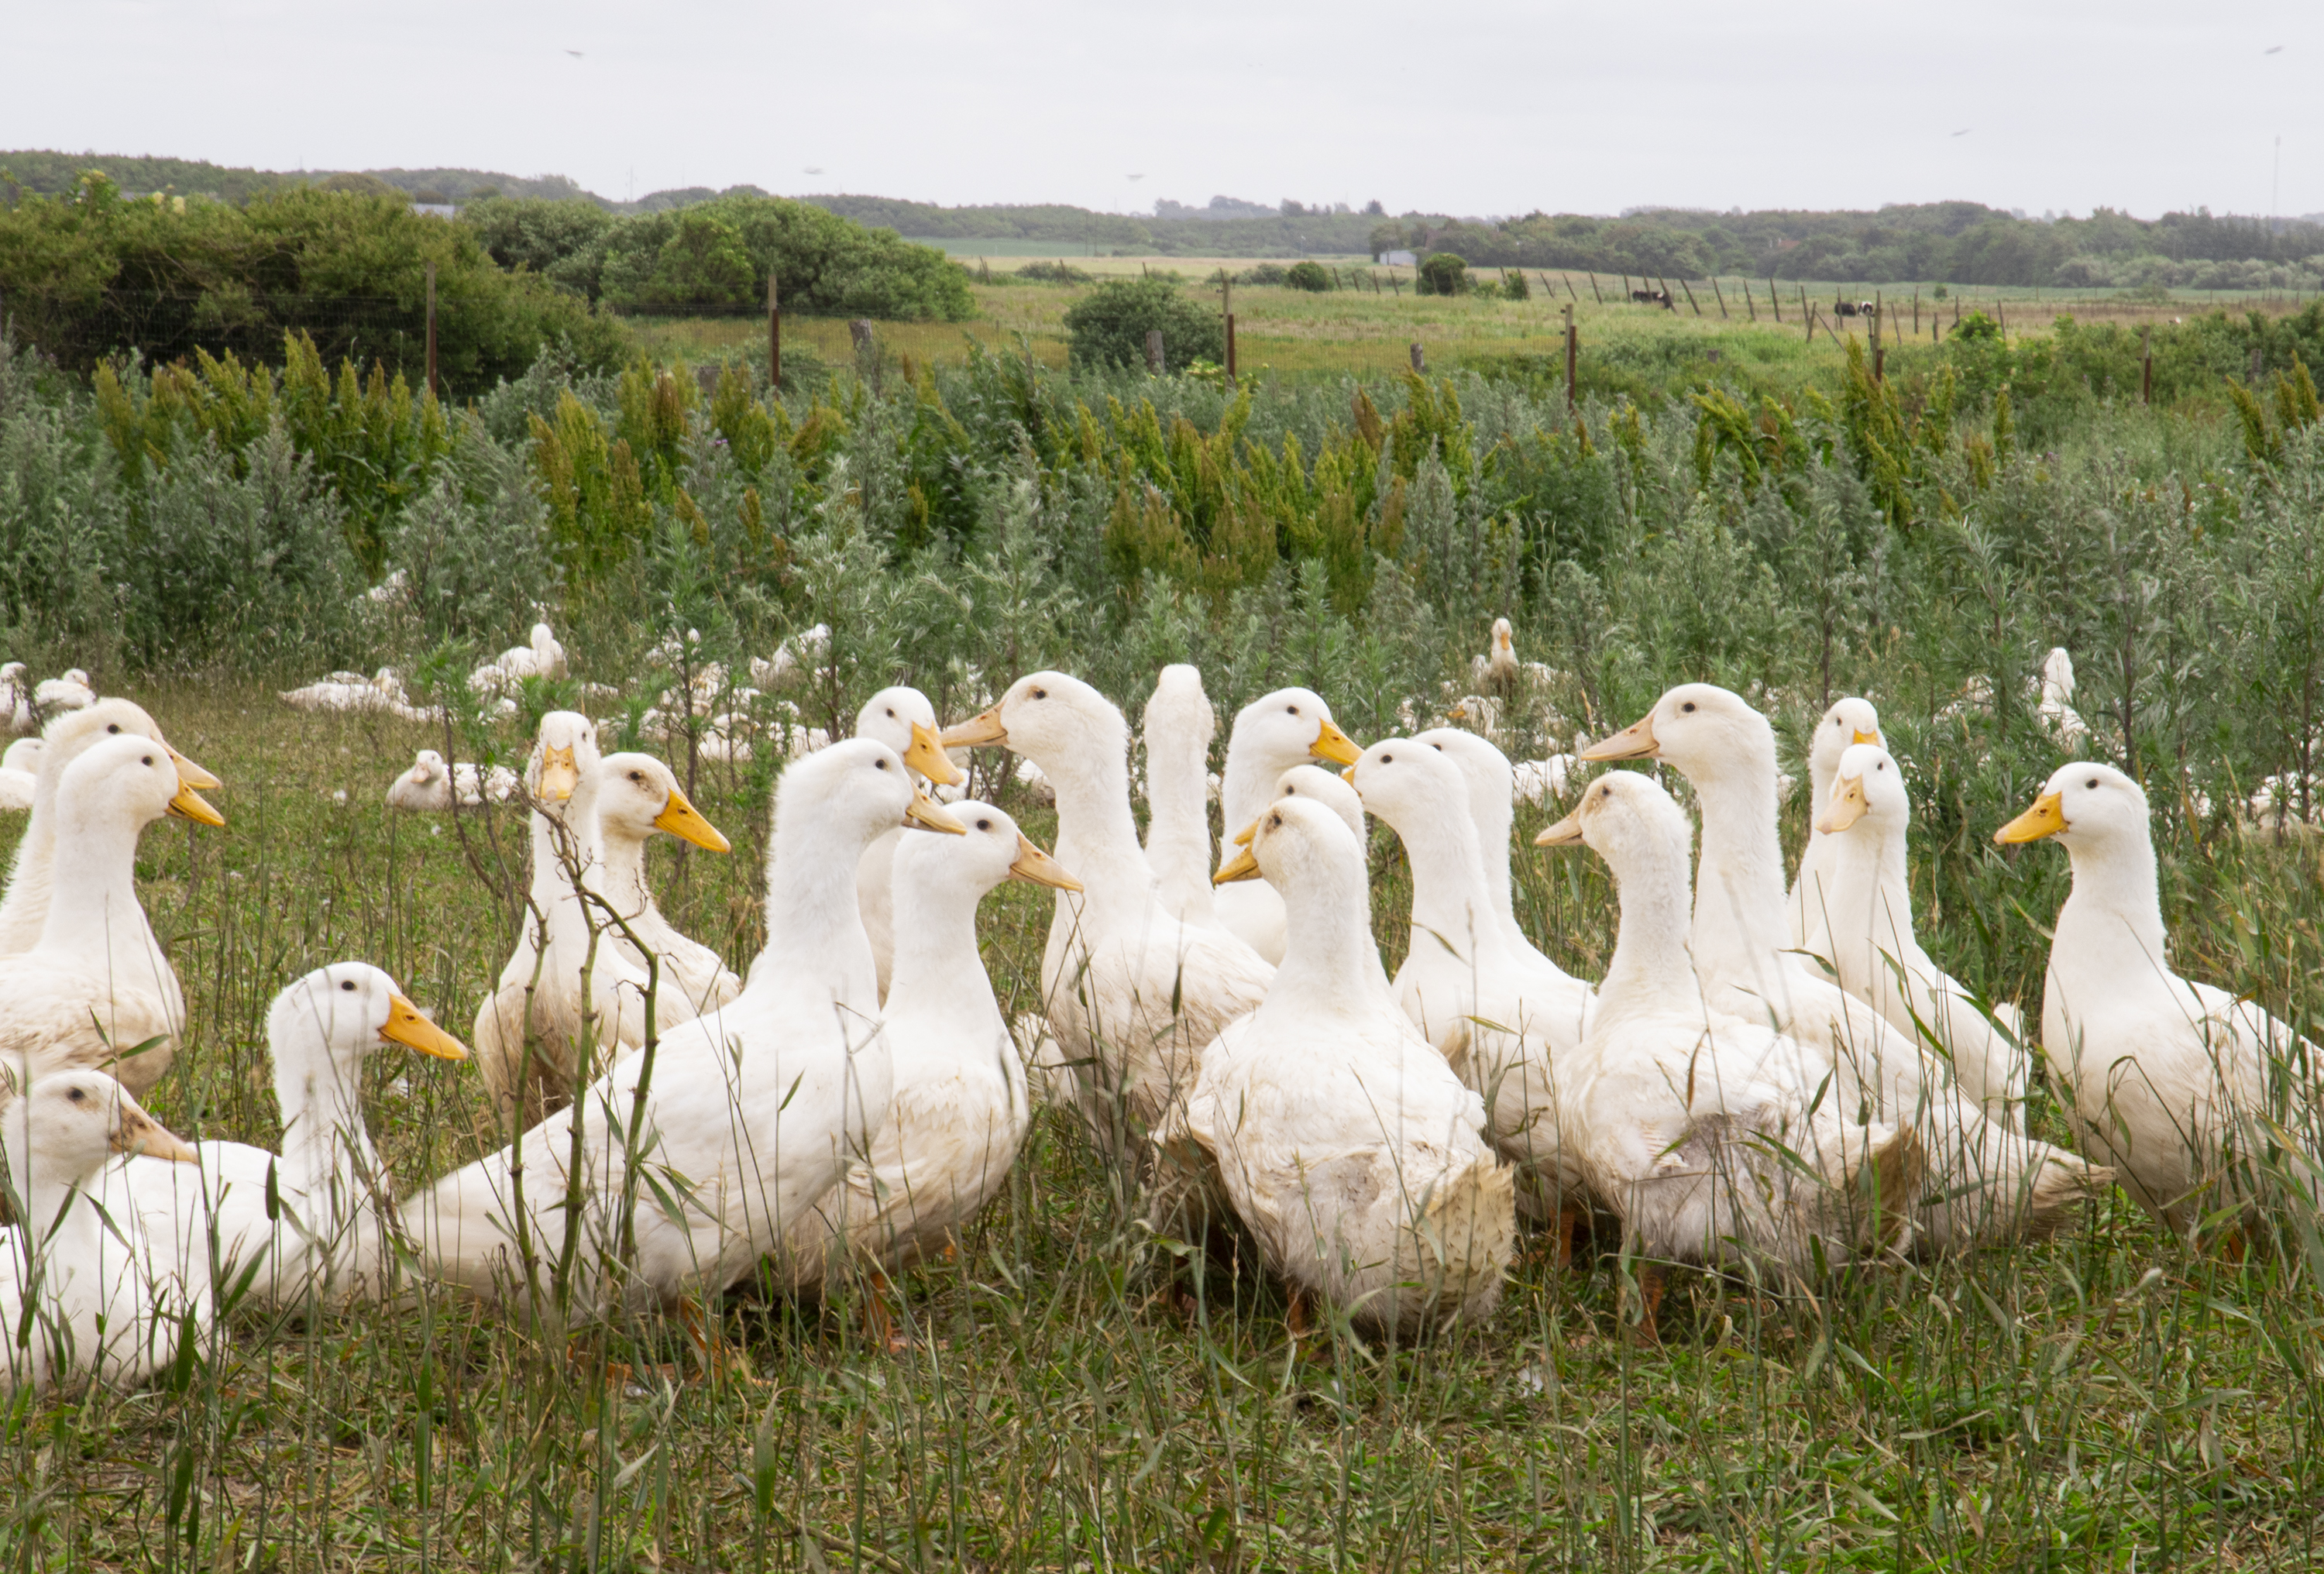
(1868,908)
(1989,1182)
(1502,1021)
(1346,1144)
(581,946)
(2181,1084)
(759,1106)
(427,786)
(959,1111)
(1492,812)
(98,982)
(15,698)
(1708,1136)
(208,1224)
(902,719)
(540,656)
(1291,726)
(1495,671)
(1131,994)
(52,697)
(32,875)
(1851,721)
(20,774)
(638,796)
(1330,789)
(2052,710)
(1179,726)
(73,1298)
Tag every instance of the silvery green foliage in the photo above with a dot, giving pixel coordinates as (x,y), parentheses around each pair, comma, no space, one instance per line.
(63,532)
(250,561)
(469,559)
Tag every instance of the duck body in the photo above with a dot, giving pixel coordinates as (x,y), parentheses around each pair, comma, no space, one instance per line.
(1132,995)
(1706,1133)
(1987,1182)
(1867,910)
(99,981)
(755,1107)
(959,1108)
(2169,1078)
(1345,1144)
(77,1298)
(206,1223)
(426,787)
(1291,726)
(1503,1023)
(1850,721)
(20,774)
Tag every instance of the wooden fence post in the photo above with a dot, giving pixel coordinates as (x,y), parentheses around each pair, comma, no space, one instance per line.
(1917,311)
(431,330)
(1748,304)
(2146,365)
(1570,295)
(1601,300)
(1572,355)
(1419,360)
(1231,348)
(1774,300)
(1154,351)
(1808,312)
(774,337)
(1682,284)
(1721,294)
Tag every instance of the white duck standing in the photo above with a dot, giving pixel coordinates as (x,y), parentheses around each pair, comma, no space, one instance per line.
(902,719)
(2181,1085)
(208,1224)
(99,984)
(1496,672)
(1866,906)
(593,988)
(1491,808)
(1179,726)
(1851,721)
(1987,1182)
(1345,1143)
(759,1105)
(959,1111)
(1291,726)
(1708,1135)
(638,796)
(1132,995)
(1504,1023)
(73,1298)
(32,875)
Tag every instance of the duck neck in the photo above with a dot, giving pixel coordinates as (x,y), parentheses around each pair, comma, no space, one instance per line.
(94,911)
(1449,894)
(325,1148)
(937,968)
(63,1227)
(620,872)
(1493,821)
(32,875)
(1246,789)
(1330,960)
(2114,914)
(1652,966)
(1097,836)
(814,921)
(1738,892)
(1178,827)
(1867,892)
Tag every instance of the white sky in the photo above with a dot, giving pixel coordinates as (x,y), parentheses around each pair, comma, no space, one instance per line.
(1491,106)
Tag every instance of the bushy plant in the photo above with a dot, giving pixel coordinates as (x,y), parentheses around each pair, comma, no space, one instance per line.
(1443,273)
(1307,275)
(719,253)
(1108,327)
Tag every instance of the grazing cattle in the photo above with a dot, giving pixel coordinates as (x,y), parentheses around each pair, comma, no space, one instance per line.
(1853,308)
(1652,297)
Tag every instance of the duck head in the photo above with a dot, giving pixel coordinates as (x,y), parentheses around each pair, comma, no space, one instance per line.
(564,748)
(1315,785)
(902,718)
(2086,806)
(1289,727)
(341,1013)
(1626,818)
(1703,730)
(64,739)
(853,791)
(1867,791)
(129,780)
(639,794)
(1850,721)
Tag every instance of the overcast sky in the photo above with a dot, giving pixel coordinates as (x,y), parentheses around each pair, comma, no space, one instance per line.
(1486,107)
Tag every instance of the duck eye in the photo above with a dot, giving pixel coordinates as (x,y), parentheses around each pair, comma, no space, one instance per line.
(1688,706)
(984,824)
(881,763)
(1387,759)
(114,727)
(1040,694)
(76,1095)
(2094,781)
(149,759)
(637,776)
(348,985)
(1292,709)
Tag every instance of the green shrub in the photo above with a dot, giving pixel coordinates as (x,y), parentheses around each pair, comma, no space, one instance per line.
(1057,272)
(1311,276)
(718,253)
(1442,274)
(1108,327)
(1263,274)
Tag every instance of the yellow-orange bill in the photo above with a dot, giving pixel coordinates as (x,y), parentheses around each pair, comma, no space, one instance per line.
(925,810)
(1565,834)
(2047,818)
(189,805)
(1847,805)
(1035,865)
(1334,745)
(927,757)
(681,819)
(984,727)
(193,775)
(405,1026)
(1634,741)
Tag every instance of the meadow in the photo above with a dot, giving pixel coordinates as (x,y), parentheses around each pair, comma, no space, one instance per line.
(2109,1398)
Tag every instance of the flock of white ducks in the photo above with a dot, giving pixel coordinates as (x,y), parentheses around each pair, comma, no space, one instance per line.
(1762,1078)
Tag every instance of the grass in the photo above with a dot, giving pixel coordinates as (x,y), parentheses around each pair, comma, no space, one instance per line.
(2108,1399)
(1286,333)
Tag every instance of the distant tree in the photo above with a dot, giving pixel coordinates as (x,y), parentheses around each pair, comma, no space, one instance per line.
(1374,208)
(1307,276)
(704,262)
(1108,327)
